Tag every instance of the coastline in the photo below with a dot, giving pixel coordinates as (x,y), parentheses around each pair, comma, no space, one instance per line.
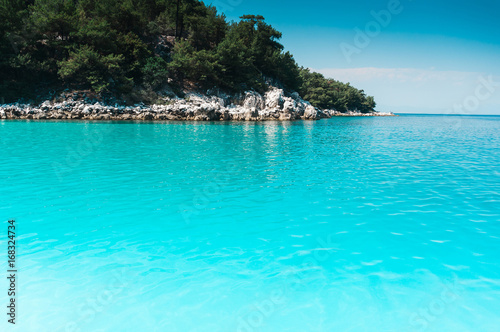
(274,105)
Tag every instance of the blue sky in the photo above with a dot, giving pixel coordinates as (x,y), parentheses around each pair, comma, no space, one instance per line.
(418,56)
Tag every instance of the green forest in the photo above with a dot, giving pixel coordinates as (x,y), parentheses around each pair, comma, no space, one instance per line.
(120,47)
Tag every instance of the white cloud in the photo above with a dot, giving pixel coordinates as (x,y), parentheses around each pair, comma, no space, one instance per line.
(425,89)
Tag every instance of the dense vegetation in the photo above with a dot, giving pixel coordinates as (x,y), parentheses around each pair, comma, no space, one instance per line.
(119,47)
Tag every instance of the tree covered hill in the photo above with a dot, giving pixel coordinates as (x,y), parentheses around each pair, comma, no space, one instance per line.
(116,47)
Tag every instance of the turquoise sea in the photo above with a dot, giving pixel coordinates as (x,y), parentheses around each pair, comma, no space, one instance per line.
(346,224)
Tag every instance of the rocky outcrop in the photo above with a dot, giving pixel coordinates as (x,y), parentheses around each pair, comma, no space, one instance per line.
(275,104)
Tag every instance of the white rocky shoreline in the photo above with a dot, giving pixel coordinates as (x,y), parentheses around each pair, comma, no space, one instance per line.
(275,105)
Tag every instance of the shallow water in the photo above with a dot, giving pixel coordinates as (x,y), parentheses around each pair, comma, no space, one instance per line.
(347,224)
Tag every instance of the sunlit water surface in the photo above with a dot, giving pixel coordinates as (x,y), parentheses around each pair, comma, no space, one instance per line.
(347,224)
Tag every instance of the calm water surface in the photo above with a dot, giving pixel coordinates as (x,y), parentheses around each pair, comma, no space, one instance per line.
(347,224)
